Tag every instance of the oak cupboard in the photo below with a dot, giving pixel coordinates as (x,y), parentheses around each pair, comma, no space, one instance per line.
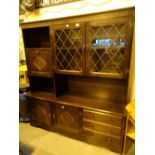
(78,70)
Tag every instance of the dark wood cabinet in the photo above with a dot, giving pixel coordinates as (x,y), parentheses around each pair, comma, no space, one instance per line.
(78,72)
(68,119)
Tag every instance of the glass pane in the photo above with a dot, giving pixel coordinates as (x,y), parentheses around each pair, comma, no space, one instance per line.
(108,43)
(69,49)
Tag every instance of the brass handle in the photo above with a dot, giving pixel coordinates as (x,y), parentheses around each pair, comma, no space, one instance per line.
(87,47)
(126,71)
(109,140)
(37,52)
(62,107)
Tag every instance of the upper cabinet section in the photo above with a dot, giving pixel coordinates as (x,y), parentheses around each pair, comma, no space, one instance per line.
(96,45)
(108,47)
(36,37)
(69,46)
(38,51)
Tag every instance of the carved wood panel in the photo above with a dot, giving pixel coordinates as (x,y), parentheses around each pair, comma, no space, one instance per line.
(68,118)
(41,113)
(39,61)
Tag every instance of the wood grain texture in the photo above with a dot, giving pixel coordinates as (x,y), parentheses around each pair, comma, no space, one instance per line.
(98,88)
(39,61)
(68,119)
(41,113)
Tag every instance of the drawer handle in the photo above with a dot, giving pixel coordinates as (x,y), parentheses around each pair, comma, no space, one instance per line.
(111,121)
(37,52)
(62,107)
(109,140)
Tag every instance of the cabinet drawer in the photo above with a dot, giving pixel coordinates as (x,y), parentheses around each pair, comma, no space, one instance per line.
(114,144)
(107,129)
(102,117)
(102,138)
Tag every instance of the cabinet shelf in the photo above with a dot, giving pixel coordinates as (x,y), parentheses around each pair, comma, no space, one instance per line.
(86,102)
(49,96)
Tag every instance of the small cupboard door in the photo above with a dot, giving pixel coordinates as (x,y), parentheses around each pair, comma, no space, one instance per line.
(68,119)
(39,61)
(69,46)
(41,113)
(108,51)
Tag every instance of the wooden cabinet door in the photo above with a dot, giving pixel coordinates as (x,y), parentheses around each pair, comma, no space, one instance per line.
(68,119)
(39,61)
(69,46)
(41,113)
(108,47)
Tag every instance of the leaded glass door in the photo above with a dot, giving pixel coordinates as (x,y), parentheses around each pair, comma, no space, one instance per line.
(107,47)
(69,46)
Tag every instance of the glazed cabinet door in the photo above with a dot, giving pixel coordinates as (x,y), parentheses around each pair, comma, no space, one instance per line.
(69,47)
(108,47)
(41,113)
(68,119)
(39,61)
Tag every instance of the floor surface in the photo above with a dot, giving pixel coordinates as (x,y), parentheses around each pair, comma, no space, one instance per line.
(37,141)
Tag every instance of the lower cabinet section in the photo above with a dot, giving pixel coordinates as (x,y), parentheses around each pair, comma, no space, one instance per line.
(68,119)
(41,113)
(94,127)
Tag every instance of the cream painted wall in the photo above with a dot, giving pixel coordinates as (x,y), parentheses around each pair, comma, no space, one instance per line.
(76,8)
(131,84)
(21,46)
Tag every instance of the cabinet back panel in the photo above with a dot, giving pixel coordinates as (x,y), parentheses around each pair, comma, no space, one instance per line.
(98,88)
(41,84)
(36,37)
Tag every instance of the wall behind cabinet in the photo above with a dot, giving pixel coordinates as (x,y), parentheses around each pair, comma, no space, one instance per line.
(131,83)
(75,8)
